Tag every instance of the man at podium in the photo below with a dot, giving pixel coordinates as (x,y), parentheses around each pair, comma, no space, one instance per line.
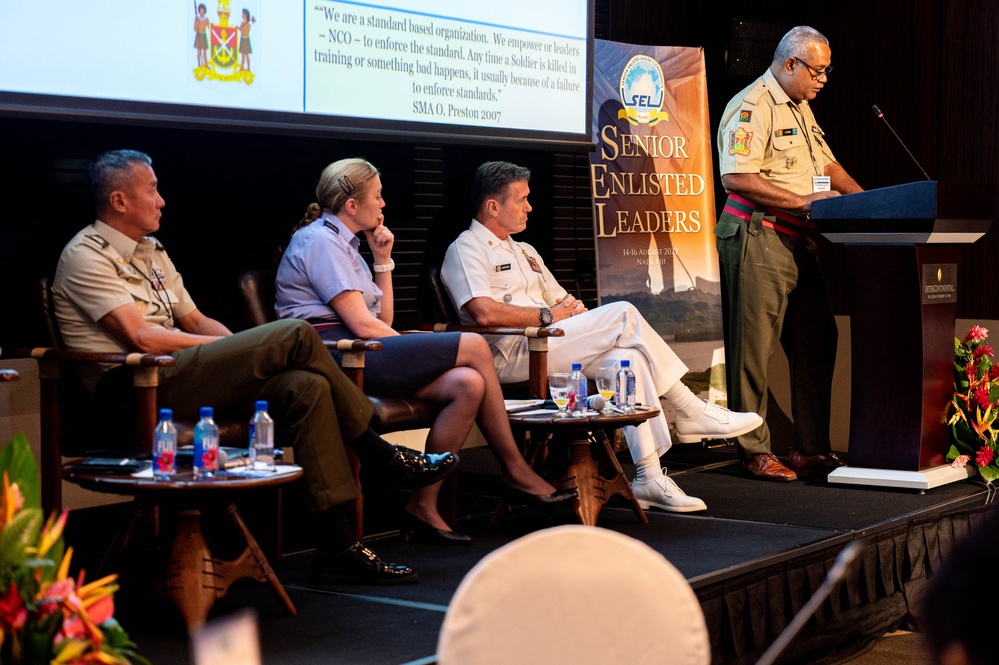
(774,162)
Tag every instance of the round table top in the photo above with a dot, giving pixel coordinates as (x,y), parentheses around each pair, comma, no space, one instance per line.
(183,481)
(591,420)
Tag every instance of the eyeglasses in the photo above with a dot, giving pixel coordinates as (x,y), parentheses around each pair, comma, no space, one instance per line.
(816,74)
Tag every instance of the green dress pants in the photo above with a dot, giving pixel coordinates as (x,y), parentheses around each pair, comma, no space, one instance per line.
(774,292)
(314,405)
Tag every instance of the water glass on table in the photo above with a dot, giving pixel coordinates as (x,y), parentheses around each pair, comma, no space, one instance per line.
(606,380)
(558,388)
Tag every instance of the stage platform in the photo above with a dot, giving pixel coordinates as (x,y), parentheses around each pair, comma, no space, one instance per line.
(753,558)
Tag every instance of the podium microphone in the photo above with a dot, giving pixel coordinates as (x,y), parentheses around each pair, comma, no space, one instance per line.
(835,575)
(881,115)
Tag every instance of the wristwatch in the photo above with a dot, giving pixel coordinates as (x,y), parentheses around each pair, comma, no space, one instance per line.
(545,317)
(385,267)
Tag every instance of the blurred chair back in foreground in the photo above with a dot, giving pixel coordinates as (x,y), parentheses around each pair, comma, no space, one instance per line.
(574,594)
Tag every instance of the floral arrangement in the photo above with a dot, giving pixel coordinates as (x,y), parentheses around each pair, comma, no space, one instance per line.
(46,616)
(975,405)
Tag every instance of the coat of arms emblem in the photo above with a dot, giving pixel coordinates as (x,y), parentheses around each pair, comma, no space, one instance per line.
(223,49)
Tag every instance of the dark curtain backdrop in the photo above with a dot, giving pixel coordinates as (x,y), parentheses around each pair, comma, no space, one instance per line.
(233,195)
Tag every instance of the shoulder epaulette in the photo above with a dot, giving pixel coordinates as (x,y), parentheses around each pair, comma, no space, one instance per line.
(97,240)
(331,226)
(754,95)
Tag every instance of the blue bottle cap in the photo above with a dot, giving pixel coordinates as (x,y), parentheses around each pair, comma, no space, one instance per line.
(260,405)
(166,414)
(207,412)
(577,367)
(625,363)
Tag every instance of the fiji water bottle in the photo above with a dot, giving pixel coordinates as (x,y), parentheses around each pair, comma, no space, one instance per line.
(206,445)
(165,447)
(262,439)
(625,396)
(577,390)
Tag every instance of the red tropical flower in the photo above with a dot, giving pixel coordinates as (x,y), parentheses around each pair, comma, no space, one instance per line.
(13,614)
(97,613)
(982,350)
(984,456)
(976,333)
(982,399)
(971,371)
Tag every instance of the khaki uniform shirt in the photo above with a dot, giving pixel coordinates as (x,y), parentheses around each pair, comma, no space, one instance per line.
(762,131)
(101,270)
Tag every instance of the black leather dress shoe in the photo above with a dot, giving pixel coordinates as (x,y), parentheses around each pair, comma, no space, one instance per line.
(358,565)
(416,529)
(555,498)
(411,469)
(821,463)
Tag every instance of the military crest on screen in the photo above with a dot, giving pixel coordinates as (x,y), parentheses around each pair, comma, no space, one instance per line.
(223,50)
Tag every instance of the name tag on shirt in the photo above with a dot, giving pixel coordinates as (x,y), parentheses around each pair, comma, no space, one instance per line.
(821,183)
(501,268)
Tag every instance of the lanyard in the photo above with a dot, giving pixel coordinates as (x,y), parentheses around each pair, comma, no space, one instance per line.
(800,118)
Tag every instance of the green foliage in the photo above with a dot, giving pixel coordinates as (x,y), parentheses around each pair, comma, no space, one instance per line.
(19,462)
(49,606)
(18,535)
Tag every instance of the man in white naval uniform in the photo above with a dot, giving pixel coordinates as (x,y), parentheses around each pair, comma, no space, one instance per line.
(494,280)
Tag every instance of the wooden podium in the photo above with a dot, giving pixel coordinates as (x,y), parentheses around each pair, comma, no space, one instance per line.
(902,247)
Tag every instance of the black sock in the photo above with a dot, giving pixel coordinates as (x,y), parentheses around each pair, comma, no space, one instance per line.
(335,532)
(372,448)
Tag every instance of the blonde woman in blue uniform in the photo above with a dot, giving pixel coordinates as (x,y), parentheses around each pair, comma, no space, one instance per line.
(324,280)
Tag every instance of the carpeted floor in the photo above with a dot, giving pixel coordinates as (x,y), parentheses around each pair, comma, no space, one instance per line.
(748,522)
(894,649)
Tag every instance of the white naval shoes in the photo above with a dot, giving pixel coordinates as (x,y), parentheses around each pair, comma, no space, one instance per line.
(716,422)
(663,493)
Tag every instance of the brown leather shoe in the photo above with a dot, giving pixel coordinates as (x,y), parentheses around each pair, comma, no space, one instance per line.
(767,466)
(802,462)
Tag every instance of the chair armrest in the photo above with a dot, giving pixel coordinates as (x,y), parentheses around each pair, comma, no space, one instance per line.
(145,378)
(352,357)
(132,359)
(537,346)
(533,331)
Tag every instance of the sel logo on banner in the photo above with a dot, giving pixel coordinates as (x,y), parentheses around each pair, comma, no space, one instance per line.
(642,84)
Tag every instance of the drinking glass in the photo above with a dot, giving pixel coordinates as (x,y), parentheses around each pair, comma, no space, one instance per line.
(558,388)
(607,385)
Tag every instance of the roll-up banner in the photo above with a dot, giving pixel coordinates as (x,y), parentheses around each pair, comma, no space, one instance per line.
(653,199)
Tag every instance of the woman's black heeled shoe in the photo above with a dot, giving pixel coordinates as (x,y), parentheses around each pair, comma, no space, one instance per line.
(415,528)
(542,500)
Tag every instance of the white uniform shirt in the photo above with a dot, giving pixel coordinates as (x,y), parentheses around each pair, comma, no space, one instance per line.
(478,264)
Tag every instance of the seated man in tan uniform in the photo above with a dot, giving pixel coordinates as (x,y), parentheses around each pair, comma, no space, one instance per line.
(117,290)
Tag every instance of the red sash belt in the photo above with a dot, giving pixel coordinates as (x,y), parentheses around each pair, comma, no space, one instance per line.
(784,222)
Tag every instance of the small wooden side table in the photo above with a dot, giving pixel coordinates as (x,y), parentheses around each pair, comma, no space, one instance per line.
(192,576)
(577,453)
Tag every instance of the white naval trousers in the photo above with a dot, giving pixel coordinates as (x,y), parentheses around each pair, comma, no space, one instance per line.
(601,337)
